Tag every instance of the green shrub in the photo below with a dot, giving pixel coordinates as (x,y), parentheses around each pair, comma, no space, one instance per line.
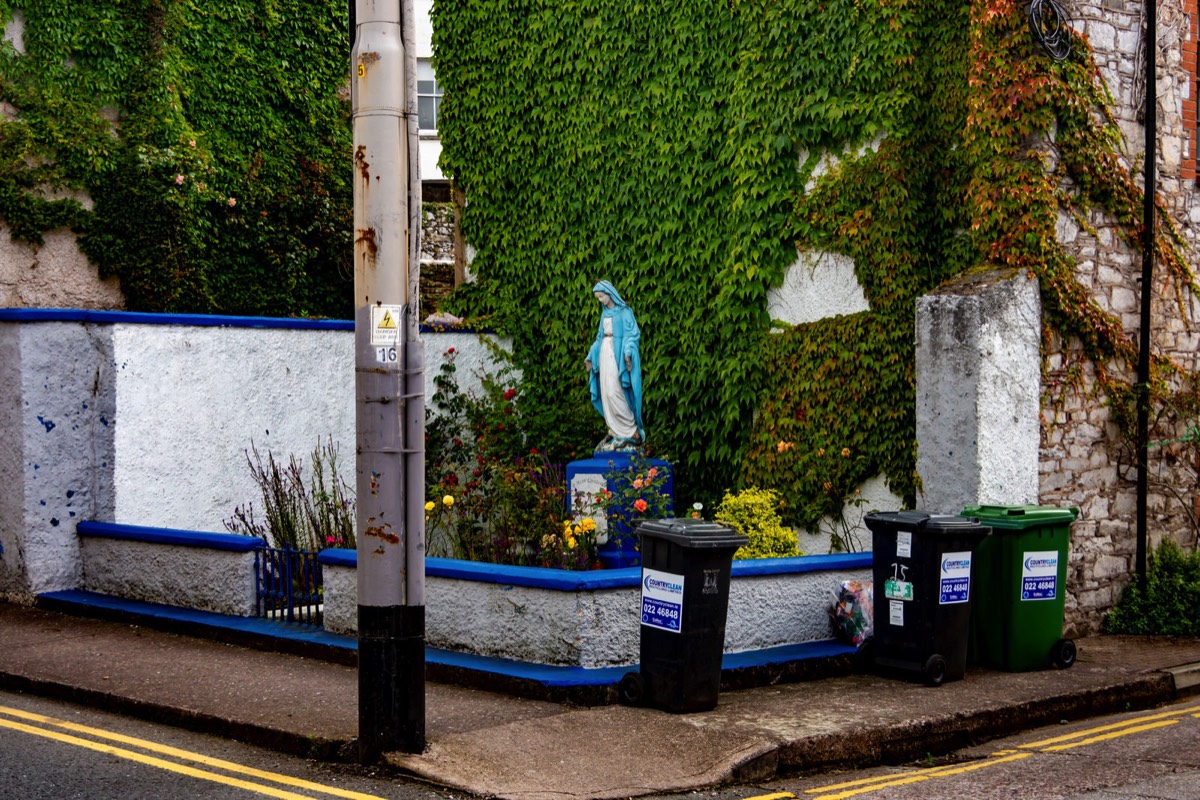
(1167,602)
(755,513)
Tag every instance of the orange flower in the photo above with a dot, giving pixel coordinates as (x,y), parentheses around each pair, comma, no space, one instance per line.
(650,473)
(845,452)
(639,504)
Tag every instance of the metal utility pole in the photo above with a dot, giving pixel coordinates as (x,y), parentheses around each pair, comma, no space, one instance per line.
(1143,369)
(389,383)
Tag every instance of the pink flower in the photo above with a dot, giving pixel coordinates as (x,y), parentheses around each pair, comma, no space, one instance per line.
(192,143)
(639,504)
(652,472)
(179,180)
(637,483)
(330,540)
(232,202)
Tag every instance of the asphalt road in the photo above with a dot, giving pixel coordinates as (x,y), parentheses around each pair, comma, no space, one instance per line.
(1151,755)
(52,751)
(55,751)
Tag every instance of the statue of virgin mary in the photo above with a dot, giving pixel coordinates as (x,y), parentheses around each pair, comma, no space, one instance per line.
(615,372)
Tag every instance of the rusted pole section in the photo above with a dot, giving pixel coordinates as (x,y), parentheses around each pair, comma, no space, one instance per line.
(391,626)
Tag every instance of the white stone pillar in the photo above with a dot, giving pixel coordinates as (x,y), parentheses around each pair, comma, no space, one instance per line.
(978,373)
(56,412)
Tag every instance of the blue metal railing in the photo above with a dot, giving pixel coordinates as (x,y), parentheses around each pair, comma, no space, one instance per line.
(288,585)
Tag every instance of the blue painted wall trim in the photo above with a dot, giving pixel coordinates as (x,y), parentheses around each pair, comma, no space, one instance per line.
(338,557)
(137,533)
(545,674)
(570,581)
(195,320)
(801,564)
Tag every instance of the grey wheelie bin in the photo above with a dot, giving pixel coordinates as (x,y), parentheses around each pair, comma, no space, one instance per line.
(923,575)
(686,565)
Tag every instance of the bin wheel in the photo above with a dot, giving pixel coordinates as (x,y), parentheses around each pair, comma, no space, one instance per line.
(1064,653)
(935,670)
(631,689)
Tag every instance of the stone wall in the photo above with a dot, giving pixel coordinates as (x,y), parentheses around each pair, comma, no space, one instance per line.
(57,274)
(1086,458)
(437,233)
(52,275)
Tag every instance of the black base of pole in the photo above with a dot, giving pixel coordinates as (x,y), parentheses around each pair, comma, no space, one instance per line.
(391,680)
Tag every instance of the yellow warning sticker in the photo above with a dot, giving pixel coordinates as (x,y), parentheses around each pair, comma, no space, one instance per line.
(385,325)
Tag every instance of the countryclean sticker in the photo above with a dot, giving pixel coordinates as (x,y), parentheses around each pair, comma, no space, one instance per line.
(956,578)
(1039,575)
(662,600)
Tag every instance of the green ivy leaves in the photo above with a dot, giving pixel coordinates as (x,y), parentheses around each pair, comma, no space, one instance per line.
(210,136)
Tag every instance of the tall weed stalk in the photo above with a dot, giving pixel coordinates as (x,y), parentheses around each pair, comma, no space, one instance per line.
(300,513)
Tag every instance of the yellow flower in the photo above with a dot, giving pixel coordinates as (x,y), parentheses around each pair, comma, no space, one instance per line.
(820,452)
(571,542)
(448,500)
(845,452)
(587,525)
(429,506)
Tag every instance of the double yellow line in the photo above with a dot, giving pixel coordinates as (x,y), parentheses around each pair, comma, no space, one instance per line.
(842,791)
(52,729)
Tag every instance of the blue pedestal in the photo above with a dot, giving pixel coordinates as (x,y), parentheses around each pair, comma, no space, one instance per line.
(589,475)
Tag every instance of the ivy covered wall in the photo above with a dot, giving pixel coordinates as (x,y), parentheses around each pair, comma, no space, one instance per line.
(683,151)
(212,138)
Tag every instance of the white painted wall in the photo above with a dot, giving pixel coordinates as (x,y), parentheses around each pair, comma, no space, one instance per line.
(190,400)
(219,581)
(598,628)
(147,424)
(818,285)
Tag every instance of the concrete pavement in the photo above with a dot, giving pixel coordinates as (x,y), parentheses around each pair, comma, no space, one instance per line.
(498,745)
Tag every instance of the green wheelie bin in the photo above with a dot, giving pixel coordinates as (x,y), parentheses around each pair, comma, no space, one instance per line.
(1017,624)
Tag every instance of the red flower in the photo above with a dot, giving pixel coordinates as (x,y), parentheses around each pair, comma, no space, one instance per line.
(450,352)
(639,504)
(509,394)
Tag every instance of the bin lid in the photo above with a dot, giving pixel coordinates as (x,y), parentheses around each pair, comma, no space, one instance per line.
(1022,517)
(884,521)
(693,533)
